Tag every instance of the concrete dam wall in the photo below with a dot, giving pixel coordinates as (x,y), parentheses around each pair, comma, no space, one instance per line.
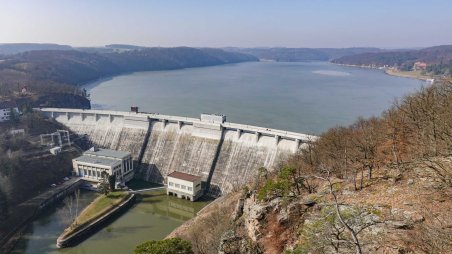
(224,154)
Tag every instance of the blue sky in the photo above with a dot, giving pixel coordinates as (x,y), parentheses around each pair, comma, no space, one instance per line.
(219,23)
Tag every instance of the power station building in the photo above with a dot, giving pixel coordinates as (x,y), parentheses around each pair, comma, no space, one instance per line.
(94,163)
(183,185)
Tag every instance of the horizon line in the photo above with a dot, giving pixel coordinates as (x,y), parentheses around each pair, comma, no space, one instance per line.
(222,47)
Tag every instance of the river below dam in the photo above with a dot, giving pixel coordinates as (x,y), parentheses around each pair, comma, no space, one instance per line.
(306,97)
(153,217)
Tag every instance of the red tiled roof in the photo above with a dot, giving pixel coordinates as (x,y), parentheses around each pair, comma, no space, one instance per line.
(184,176)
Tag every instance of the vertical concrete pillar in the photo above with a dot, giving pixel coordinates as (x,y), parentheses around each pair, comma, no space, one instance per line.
(95,117)
(296,145)
(83,116)
(180,123)
(258,134)
(67,116)
(52,114)
(68,137)
(239,133)
(277,138)
(110,117)
(164,121)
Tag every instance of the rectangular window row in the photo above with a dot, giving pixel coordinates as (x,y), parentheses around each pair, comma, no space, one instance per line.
(90,172)
(179,186)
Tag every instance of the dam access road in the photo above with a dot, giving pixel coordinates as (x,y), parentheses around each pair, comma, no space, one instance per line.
(226,155)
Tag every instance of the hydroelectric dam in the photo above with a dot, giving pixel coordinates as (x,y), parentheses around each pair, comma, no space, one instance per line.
(226,155)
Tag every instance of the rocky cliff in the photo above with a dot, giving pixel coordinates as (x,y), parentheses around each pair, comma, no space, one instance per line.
(402,210)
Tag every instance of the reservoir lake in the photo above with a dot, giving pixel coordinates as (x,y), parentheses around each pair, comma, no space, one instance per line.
(307,97)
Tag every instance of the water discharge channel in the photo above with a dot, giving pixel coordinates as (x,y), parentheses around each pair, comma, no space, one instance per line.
(153,217)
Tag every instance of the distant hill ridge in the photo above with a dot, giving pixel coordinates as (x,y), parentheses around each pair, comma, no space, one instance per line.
(438,55)
(76,67)
(35,65)
(15,48)
(281,54)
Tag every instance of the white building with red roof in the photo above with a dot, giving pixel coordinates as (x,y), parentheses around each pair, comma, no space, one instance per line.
(183,185)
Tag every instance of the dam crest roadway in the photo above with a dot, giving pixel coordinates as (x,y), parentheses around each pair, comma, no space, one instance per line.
(226,155)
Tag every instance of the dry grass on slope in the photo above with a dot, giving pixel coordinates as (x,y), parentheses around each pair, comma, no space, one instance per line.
(205,230)
(418,196)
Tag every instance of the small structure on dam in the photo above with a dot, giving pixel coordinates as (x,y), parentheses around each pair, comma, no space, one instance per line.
(183,185)
(225,155)
(94,163)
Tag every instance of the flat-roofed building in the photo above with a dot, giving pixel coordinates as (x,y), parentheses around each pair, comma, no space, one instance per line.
(5,110)
(93,163)
(183,185)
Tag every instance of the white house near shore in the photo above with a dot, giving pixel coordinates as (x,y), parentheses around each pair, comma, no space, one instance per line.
(93,163)
(183,185)
(5,110)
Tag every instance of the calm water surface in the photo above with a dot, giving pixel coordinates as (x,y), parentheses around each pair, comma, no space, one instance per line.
(305,97)
(153,217)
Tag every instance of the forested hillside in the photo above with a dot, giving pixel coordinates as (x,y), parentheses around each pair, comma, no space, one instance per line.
(302,54)
(53,72)
(75,67)
(438,59)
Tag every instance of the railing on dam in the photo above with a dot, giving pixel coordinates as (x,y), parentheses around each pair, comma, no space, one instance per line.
(240,128)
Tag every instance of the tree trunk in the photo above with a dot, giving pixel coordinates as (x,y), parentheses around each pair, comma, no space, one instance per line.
(338,213)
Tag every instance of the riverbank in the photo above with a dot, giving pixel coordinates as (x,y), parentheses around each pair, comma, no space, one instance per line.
(409,74)
(100,210)
(392,72)
(29,210)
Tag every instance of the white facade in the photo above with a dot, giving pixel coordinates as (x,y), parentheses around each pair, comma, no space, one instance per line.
(92,164)
(213,118)
(184,186)
(55,150)
(5,114)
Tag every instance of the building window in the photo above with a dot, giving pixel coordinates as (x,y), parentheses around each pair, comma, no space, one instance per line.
(177,185)
(190,188)
(183,187)
(198,185)
(171,184)
(84,172)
